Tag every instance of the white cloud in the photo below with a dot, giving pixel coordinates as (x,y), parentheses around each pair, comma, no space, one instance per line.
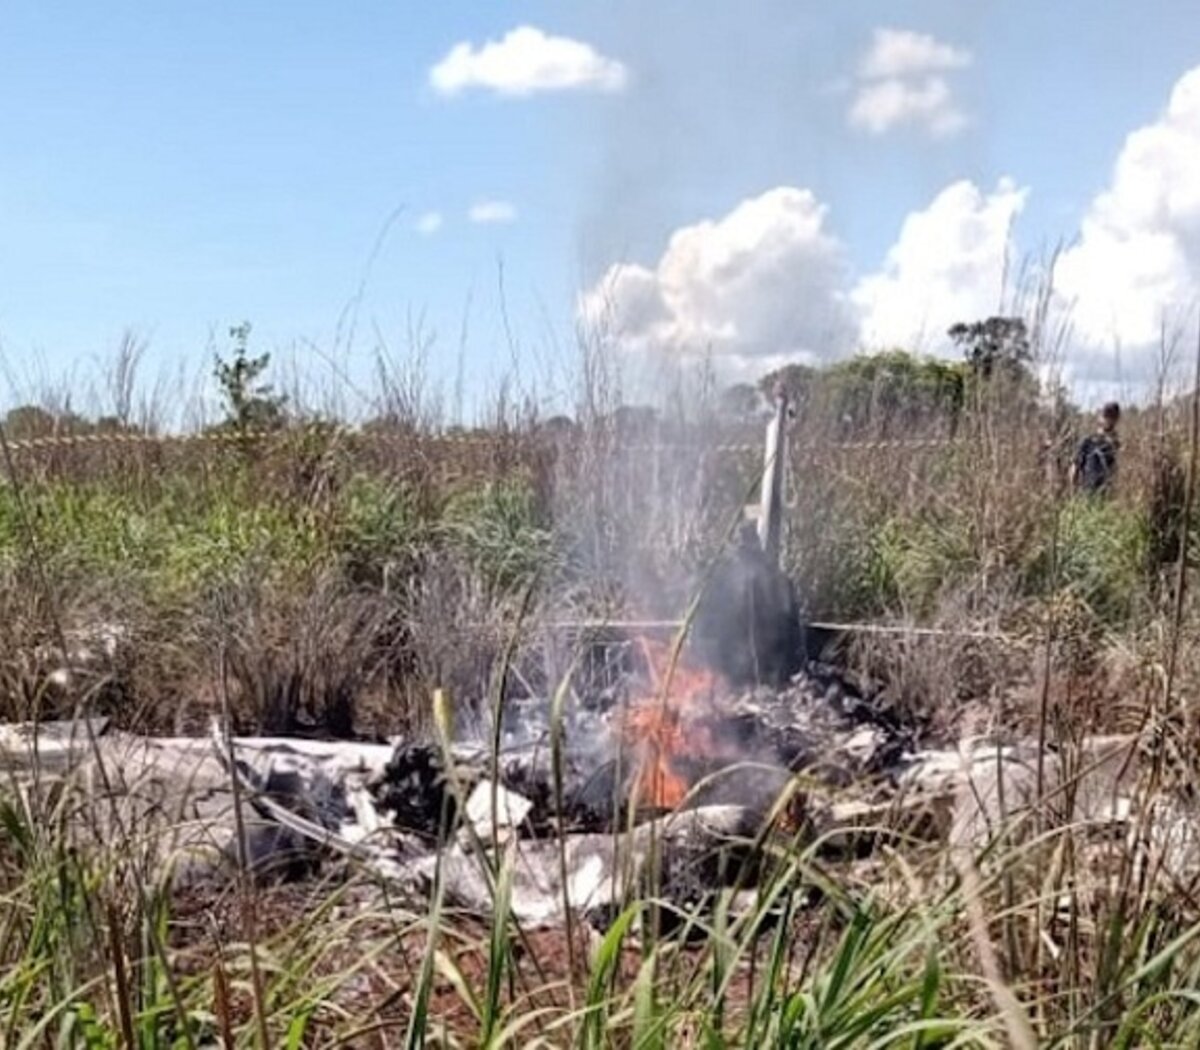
(902,81)
(769,280)
(429,223)
(1137,260)
(527,61)
(901,52)
(765,280)
(886,104)
(948,264)
(768,283)
(492,212)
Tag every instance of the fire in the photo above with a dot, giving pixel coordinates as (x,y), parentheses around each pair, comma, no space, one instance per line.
(668,726)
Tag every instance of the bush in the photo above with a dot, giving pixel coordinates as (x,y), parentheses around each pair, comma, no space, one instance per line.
(380,528)
(913,561)
(299,653)
(498,530)
(1101,558)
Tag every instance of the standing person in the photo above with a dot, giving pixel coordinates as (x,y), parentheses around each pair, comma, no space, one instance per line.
(1095,466)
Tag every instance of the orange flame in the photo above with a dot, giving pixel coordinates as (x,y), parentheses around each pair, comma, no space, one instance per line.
(665,727)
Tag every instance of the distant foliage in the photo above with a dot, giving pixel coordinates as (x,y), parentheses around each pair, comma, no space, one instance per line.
(999,344)
(31,422)
(1099,559)
(894,391)
(742,403)
(911,560)
(889,392)
(380,527)
(249,403)
(497,529)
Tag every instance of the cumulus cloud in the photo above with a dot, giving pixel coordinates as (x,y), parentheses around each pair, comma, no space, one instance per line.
(765,280)
(901,52)
(527,61)
(878,108)
(902,80)
(429,223)
(1137,260)
(768,282)
(492,212)
(948,264)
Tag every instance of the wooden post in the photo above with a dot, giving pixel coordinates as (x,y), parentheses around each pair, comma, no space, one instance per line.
(770,514)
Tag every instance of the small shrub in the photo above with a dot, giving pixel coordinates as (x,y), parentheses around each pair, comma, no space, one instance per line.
(228,534)
(498,530)
(912,560)
(250,404)
(379,528)
(1099,560)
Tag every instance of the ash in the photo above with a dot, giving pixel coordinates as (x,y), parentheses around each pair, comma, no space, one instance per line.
(820,724)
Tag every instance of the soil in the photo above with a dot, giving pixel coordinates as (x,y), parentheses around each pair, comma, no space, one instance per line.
(370,1004)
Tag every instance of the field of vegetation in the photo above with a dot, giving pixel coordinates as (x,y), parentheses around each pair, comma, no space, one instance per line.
(297,576)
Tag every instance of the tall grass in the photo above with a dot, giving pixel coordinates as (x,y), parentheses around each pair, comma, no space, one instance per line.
(889,955)
(342,578)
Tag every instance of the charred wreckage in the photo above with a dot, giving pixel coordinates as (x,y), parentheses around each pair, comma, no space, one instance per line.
(701,751)
(685,765)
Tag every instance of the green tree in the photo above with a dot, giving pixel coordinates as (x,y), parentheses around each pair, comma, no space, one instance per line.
(32,421)
(895,390)
(798,382)
(635,420)
(999,344)
(250,404)
(883,392)
(29,421)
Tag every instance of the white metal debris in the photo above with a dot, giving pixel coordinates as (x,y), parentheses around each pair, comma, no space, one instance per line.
(511,809)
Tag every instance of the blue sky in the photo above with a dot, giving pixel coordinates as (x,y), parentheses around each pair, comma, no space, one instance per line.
(181,167)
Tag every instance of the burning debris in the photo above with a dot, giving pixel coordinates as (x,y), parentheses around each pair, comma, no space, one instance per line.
(683,767)
(690,823)
(663,733)
(690,758)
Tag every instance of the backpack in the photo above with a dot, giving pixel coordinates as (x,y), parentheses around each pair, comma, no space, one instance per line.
(1096,462)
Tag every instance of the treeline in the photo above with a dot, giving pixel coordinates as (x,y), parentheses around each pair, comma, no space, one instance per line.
(896,391)
(884,394)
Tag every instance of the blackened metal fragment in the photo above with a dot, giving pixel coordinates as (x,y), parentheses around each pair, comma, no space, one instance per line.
(416,790)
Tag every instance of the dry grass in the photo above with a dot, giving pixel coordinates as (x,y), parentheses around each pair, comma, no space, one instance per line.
(426,534)
(331,581)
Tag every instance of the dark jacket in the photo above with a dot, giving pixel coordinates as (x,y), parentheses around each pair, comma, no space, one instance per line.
(1096,462)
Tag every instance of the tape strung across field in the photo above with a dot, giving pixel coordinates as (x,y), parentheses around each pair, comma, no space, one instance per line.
(236,437)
